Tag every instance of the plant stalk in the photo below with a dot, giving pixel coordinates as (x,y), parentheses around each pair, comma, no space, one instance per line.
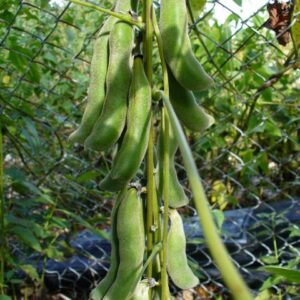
(164,274)
(151,190)
(155,250)
(148,38)
(165,119)
(124,17)
(218,251)
(150,200)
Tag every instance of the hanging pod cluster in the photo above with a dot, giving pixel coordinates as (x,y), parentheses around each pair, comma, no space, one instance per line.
(119,94)
(119,100)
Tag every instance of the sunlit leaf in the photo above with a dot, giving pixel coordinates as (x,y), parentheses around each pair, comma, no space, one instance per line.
(30,271)
(218,196)
(288,274)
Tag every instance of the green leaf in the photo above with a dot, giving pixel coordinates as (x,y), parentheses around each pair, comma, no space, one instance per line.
(218,217)
(267,94)
(86,176)
(46,199)
(5,297)
(269,282)
(34,73)
(39,231)
(238,2)
(54,253)
(15,174)
(44,3)
(295,232)
(218,196)
(272,129)
(23,187)
(270,259)
(59,222)
(7,16)
(18,60)
(31,134)
(27,236)
(264,295)
(7,4)
(6,120)
(296,26)
(288,274)
(262,162)
(86,224)
(197,6)
(30,271)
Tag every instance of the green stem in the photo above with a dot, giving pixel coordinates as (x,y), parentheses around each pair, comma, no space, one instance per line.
(154,251)
(164,275)
(218,251)
(2,233)
(157,233)
(126,18)
(151,190)
(150,200)
(149,260)
(148,41)
(165,117)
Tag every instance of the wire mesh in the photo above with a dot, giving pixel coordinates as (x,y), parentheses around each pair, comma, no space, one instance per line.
(248,160)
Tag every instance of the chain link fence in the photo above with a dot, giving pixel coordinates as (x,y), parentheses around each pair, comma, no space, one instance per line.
(249,160)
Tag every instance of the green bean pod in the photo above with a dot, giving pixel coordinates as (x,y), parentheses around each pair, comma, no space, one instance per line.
(177,196)
(134,145)
(111,122)
(186,107)
(100,290)
(131,237)
(96,91)
(177,46)
(177,263)
(141,291)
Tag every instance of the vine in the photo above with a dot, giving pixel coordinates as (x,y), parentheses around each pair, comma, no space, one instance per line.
(157,230)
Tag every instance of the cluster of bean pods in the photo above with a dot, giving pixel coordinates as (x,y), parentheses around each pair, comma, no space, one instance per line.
(119,99)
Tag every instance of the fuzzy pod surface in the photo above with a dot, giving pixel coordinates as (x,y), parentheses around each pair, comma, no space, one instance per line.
(177,262)
(189,112)
(177,196)
(177,47)
(96,91)
(131,237)
(135,142)
(100,290)
(111,122)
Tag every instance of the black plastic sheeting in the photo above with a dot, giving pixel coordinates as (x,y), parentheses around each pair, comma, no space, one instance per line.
(249,235)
